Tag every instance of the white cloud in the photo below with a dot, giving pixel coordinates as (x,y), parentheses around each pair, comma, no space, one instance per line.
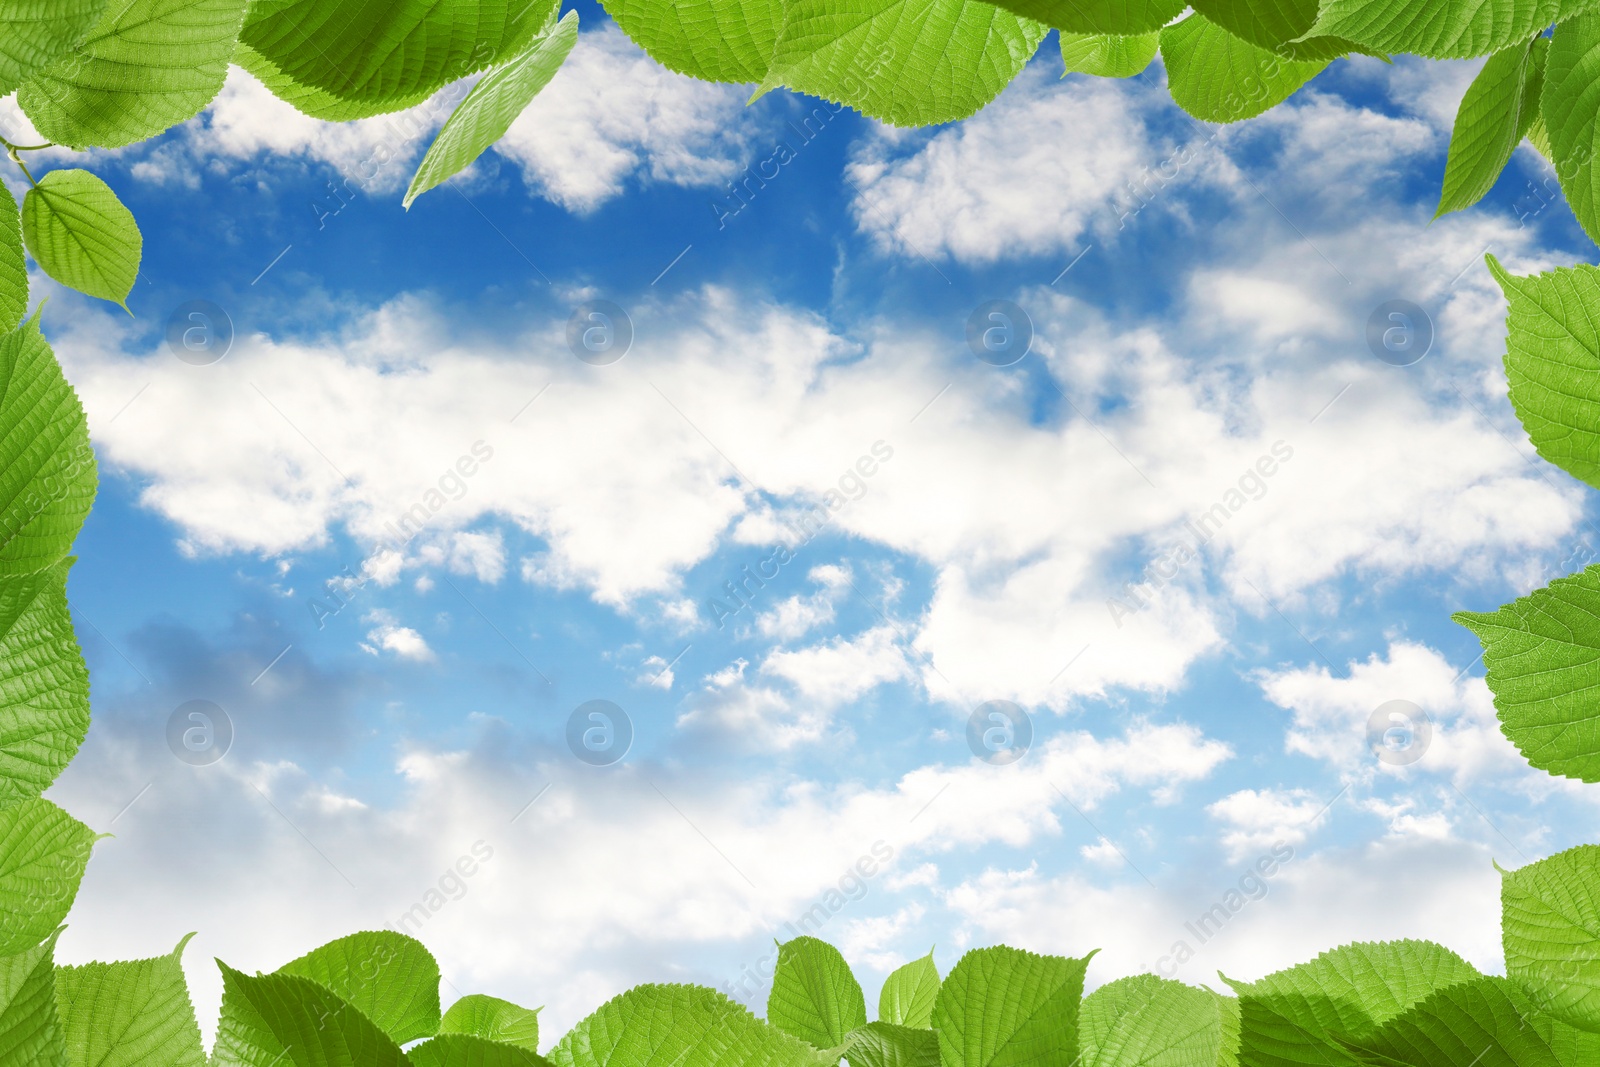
(387,635)
(1028,175)
(1447,892)
(840,669)
(1331,715)
(610,116)
(656,861)
(612,113)
(1257,820)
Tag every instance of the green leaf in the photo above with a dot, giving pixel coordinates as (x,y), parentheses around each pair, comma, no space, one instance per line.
(1232,1026)
(1003,1007)
(43,852)
(1442,29)
(1539,137)
(13,267)
(1553,363)
(389,977)
(714,40)
(678,1026)
(34,32)
(275,1020)
(1492,120)
(1218,77)
(81,235)
(47,468)
(1279,26)
(882,1044)
(1572,1047)
(492,106)
(1569,104)
(814,996)
(1150,1021)
(939,61)
(909,992)
(1551,929)
(44,686)
(129,1013)
(30,1030)
(347,59)
(1120,18)
(1481,1023)
(145,67)
(466,1050)
(1541,652)
(1290,1016)
(494,1019)
(1105,56)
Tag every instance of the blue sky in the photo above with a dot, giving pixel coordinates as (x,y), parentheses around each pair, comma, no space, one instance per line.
(1199,303)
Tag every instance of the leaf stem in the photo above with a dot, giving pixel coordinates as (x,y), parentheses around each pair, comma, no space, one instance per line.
(13,149)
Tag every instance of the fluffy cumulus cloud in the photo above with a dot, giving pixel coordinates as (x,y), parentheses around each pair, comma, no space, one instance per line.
(1029,175)
(610,117)
(1438,721)
(654,861)
(1272,910)
(1070,555)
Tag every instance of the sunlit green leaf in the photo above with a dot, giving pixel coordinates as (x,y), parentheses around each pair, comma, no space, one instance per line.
(717,40)
(814,996)
(1492,120)
(1218,77)
(279,1020)
(81,235)
(492,106)
(908,994)
(939,62)
(346,59)
(1150,1021)
(493,1018)
(1551,928)
(1117,17)
(1003,1007)
(146,66)
(1442,29)
(44,687)
(389,977)
(47,467)
(131,1013)
(43,851)
(30,1028)
(678,1026)
(35,32)
(1106,56)
(1299,1015)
